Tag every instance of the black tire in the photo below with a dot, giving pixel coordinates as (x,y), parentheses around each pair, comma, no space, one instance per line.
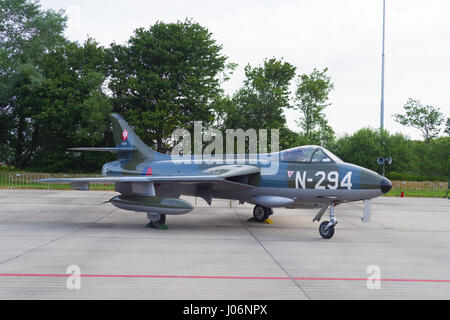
(162,220)
(326,234)
(260,213)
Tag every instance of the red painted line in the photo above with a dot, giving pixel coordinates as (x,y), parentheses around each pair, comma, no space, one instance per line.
(139,276)
(364,279)
(415,280)
(214,277)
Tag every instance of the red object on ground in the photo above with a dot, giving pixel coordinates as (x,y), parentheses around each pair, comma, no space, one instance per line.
(402,194)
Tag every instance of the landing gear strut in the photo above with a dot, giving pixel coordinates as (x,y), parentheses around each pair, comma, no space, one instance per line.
(156,220)
(326,228)
(260,213)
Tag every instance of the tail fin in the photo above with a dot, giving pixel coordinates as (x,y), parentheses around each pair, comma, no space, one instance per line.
(124,137)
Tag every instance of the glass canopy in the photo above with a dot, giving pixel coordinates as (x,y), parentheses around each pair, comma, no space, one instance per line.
(309,154)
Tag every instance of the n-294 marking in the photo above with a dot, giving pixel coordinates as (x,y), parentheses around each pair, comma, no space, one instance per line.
(332,178)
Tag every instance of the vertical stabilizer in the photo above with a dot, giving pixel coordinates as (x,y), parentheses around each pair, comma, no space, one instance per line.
(124,137)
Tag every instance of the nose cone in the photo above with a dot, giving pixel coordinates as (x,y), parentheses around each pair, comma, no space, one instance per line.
(385,185)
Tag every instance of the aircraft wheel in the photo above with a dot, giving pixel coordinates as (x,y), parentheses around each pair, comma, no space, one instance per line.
(326,234)
(156,221)
(260,213)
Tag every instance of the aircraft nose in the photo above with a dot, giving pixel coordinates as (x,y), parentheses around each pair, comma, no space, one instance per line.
(385,185)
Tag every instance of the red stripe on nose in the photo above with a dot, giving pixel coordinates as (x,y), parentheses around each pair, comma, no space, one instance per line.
(149,171)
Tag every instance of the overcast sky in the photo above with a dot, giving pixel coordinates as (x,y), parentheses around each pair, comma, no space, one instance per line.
(345,36)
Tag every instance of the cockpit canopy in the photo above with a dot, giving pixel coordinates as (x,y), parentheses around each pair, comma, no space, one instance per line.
(309,154)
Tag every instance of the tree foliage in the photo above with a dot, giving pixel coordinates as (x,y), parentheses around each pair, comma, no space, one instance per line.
(26,34)
(427,119)
(413,158)
(70,109)
(311,99)
(260,103)
(165,77)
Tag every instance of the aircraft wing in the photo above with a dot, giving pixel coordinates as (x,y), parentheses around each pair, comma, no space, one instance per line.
(226,177)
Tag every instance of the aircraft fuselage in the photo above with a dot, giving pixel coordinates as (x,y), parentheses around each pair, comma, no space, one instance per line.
(309,184)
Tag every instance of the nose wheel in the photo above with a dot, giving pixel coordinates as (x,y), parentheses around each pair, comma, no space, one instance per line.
(326,228)
(327,232)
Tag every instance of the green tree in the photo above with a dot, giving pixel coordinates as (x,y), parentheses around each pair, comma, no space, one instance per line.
(311,99)
(260,103)
(416,160)
(290,139)
(70,109)
(166,77)
(427,119)
(323,135)
(363,148)
(447,127)
(432,158)
(441,156)
(26,33)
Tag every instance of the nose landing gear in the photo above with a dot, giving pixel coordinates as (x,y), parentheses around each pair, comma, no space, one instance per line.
(326,228)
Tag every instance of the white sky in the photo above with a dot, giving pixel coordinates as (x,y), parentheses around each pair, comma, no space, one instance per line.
(345,36)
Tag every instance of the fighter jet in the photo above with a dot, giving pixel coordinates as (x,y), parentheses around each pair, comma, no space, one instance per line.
(307,177)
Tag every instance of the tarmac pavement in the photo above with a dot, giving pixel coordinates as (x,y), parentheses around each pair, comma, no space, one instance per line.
(47,237)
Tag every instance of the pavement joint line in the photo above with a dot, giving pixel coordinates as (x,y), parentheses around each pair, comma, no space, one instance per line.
(272,257)
(59,238)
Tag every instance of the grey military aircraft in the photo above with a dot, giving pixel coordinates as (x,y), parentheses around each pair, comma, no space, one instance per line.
(307,177)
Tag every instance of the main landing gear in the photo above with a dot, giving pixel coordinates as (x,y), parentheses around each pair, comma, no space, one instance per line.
(326,228)
(260,213)
(156,221)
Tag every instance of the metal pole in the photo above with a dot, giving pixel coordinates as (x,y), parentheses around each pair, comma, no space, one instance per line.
(382,70)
